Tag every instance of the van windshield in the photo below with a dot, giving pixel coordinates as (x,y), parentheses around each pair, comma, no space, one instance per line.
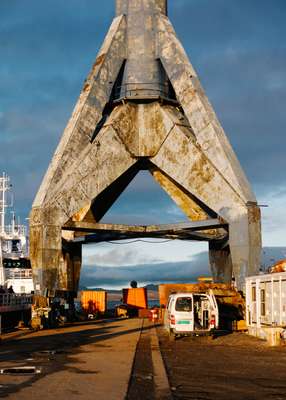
(183,304)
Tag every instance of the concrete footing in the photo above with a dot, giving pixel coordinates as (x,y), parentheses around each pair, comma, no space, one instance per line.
(273,335)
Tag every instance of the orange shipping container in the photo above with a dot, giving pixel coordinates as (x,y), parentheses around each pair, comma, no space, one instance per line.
(135,297)
(92,301)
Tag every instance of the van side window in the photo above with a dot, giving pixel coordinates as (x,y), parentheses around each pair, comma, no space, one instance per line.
(183,304)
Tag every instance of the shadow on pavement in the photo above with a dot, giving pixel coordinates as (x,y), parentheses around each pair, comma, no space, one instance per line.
(38,350)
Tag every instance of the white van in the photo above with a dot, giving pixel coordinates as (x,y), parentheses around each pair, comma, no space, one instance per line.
(191,314)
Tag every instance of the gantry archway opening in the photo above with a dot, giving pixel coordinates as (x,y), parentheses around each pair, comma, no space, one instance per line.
(198,221)
(122,222)
(113,263)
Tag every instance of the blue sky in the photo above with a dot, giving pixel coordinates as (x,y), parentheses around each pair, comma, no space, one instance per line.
(238,48)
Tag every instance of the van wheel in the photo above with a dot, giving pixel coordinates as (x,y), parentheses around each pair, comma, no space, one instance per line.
(172,335)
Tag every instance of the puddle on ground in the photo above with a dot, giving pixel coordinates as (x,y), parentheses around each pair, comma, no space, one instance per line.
(21,371)
(103,346)
(51,352)
(148,377)
(47,355)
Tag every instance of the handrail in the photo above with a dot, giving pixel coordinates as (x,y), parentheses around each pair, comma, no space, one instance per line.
(20,230)
(9,299)
(18,273)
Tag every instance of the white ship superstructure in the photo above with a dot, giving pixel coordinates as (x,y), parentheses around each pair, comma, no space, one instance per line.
(15,267)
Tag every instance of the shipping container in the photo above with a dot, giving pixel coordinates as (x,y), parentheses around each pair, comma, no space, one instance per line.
(135,297)
(93,301)
(266,300)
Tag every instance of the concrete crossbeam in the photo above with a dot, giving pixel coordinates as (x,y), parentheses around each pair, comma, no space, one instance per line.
(186,226)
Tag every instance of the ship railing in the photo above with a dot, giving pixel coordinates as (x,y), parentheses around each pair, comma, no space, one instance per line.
(9,299)
(17,229)
(18,274)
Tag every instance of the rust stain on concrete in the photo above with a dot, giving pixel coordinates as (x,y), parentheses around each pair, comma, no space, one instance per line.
(99,60)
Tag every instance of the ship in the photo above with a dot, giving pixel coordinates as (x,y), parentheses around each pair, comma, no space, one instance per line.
(15,266)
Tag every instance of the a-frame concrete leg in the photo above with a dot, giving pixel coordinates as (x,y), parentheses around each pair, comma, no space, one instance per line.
(93,172)
(217,155)
(89,110)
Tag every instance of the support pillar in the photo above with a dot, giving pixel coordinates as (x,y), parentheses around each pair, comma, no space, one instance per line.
(220,262)
(241,256)
(70,266)
(56,261)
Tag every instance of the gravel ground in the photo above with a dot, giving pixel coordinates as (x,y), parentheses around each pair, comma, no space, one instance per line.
(231,367)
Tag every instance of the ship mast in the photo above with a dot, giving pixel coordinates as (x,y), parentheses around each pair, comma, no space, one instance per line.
(4,187)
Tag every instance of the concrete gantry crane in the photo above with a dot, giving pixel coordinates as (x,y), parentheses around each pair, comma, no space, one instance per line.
(142,107)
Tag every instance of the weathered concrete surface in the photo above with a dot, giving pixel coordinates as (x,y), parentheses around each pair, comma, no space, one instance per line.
(88,110)
(143,108)
(96,362)
(122,6)
(183,199)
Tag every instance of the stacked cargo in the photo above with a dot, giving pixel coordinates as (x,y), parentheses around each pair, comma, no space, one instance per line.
(280,266)
(223,291)
(93,302)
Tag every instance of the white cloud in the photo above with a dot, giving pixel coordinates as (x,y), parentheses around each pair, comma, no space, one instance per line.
(117,255)
(188,271)
(150,273)
(141,253)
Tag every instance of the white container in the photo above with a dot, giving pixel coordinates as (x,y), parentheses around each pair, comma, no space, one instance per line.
(266,300)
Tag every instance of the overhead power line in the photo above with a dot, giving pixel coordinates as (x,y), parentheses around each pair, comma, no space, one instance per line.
(140,240)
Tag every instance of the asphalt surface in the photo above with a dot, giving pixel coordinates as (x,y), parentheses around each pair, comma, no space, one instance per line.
(232,367)
(122,360)
(89,361)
